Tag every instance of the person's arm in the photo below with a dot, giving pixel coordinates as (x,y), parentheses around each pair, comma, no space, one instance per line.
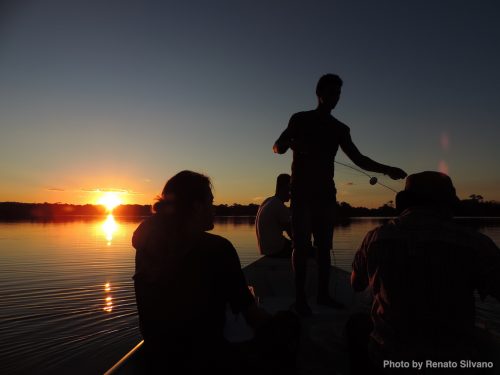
(288,230)
(285,220)
(239,296)
(487,267)
(359,274)
(365,162)
(359,279)
(284,142)
(255,316)
(140,236)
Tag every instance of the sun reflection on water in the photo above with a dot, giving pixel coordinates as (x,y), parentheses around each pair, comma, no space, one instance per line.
(109,227)
(108,300)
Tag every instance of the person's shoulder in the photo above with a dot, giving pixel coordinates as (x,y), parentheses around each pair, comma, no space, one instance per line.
(367,243)
(375,233)
(152,222)
(468,236)
(154,219)
(340,125)
(266,201)
(144,230)
(221,251)
(486,246)
(274,200)
(303,116)
(387,231)
(215,241)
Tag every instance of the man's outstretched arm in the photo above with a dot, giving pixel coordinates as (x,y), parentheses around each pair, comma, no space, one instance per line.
(487,267)
(368,164)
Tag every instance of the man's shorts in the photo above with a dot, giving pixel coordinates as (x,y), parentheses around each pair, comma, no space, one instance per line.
(313,216)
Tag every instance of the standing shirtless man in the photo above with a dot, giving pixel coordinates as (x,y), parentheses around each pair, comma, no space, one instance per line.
(315,136)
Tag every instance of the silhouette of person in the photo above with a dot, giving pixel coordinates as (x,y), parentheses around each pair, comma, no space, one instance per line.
(273,218)
(184,279)
(422,269)
(315,136)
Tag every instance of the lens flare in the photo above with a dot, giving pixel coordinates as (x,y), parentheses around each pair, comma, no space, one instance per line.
(443,167)
(445,141)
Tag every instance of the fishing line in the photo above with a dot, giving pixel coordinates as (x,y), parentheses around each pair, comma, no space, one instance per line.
(373,180)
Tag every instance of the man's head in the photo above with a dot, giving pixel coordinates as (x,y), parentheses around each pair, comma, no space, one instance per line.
(428,189)
(283,187)
(328,90)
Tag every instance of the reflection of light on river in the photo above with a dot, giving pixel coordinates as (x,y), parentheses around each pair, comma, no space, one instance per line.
(109,227)
(108,300)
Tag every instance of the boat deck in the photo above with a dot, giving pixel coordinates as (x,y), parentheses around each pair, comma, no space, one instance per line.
(322,346)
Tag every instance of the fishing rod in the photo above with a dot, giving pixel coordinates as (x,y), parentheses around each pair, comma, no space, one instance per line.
(373,180)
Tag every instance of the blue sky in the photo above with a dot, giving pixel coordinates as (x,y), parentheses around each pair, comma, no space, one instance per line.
(123,94)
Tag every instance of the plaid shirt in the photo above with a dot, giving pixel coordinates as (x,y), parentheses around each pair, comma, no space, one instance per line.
(423,270)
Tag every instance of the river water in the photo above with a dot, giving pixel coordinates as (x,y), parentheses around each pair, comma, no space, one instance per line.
(66,295)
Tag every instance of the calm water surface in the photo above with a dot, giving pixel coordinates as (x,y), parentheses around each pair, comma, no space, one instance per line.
(66,294)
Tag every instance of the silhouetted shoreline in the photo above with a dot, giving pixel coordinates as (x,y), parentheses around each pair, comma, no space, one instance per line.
(18,210)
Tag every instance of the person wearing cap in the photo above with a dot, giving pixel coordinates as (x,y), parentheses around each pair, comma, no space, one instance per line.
(315,137)
(423,270)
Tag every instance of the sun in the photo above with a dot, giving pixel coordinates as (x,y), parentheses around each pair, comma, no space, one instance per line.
(109,200)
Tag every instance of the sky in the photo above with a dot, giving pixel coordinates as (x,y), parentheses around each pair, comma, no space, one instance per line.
(100,96)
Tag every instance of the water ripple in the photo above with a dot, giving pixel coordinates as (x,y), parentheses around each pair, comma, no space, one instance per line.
(67,300)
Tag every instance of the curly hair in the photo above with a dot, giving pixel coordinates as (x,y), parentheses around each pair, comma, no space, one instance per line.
(182,192)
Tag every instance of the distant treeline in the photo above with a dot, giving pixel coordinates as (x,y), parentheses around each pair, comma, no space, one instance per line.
(15,210)
(474,207)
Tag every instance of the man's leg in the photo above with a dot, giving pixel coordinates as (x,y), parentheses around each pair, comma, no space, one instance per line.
(323,215)
(323,260)
(301,231)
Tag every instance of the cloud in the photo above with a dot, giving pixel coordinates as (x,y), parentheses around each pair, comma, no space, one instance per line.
(350,183)
(130,192)
(111,190)
(55,189)
(256,199)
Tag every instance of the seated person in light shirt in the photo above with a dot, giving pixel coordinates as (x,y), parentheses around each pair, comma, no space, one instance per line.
(273,218)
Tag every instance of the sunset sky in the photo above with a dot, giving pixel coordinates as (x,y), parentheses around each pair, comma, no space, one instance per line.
(100,96)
